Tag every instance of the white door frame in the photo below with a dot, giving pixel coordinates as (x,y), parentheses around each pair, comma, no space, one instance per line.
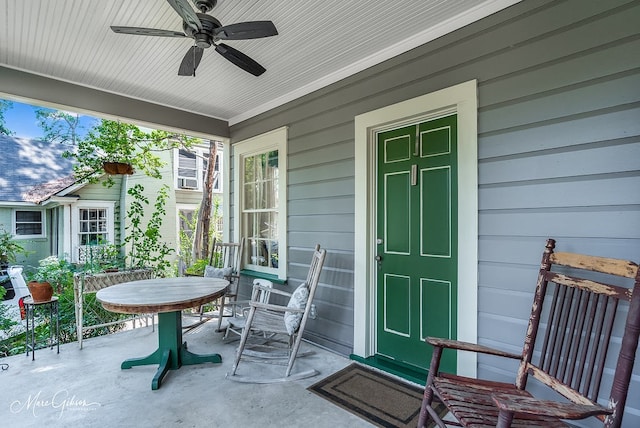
(460,99)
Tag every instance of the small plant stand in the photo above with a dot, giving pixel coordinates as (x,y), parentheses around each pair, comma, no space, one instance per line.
(31,308)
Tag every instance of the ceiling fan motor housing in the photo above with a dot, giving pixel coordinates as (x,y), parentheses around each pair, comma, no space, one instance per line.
(204,38)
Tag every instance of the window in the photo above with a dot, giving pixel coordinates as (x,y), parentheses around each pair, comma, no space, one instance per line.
(260,168)
(192,168)
(187,170)
(92,226)
(28,224)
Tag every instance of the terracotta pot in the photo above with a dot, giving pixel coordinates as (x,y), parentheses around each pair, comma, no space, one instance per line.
(114,168)
(40,291)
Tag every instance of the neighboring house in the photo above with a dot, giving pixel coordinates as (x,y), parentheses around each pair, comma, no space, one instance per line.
(43,205)
(545,143)
(189,172)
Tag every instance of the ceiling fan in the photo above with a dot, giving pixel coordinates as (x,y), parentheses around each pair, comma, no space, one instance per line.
(207,31)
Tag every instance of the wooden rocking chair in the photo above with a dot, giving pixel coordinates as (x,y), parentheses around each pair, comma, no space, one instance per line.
(225,262)
(287,320)
(567,354)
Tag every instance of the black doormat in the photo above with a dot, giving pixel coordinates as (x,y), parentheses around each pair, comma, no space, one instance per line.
(382,400)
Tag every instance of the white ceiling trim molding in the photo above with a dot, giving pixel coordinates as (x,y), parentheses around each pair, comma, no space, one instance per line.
(476,13)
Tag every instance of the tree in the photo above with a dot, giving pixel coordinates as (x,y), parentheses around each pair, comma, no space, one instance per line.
(59,126)
(4,106)
(201,238)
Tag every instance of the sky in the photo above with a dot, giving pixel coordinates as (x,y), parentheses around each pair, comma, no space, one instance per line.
(21,119)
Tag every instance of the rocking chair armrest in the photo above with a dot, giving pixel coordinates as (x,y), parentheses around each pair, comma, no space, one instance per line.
(472,347)
(276,308)
(274,290)
(532,406)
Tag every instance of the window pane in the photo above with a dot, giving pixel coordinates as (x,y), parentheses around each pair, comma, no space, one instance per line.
(28,229)
(28,216)
(249,175)
(249,196)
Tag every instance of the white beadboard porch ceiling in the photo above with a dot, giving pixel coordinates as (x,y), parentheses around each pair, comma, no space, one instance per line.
(319,42)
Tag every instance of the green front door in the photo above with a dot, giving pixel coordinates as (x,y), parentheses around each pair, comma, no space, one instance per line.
(417,240)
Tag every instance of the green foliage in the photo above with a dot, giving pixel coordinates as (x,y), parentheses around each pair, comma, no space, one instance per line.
(147,249)
(103,256)
(58,272)
(9,248)
(4,106)
(114,141)
(197,267)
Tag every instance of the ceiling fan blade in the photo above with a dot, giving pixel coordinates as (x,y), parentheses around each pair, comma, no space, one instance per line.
(190,61)
(187,13)
(240,59)
(247,30)
(146,31)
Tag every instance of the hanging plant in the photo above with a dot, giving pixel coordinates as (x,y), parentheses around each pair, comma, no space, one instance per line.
(115,168)
(117,147)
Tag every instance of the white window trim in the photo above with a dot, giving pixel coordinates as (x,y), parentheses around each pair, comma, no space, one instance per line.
(273,140)
(75,222)
(43,219)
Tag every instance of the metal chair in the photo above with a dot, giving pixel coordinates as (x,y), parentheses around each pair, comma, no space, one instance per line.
(586,300)
(288,321)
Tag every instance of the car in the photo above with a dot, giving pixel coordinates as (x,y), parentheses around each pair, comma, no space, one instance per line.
(16,291)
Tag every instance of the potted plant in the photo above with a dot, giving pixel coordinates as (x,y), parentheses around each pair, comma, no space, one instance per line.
(51,272)
(41,290)
(9,249)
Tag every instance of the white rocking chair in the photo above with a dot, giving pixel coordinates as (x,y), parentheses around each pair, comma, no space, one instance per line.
(287,320)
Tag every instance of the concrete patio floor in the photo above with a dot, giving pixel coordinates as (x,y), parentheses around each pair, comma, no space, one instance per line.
(87,388)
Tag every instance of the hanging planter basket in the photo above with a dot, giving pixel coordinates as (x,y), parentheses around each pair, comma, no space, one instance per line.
(117,168)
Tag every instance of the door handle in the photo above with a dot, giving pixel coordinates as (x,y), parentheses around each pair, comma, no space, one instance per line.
(379,259)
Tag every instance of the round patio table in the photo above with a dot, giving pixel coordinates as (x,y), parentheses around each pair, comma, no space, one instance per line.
(168,297)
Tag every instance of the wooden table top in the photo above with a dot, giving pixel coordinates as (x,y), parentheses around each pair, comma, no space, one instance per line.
(161,294)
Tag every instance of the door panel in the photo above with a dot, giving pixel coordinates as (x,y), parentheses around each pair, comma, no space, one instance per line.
(397,305)
(435,209)
(417,240)
(397,211)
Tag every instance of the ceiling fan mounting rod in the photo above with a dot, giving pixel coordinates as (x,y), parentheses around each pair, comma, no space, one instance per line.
(205,5)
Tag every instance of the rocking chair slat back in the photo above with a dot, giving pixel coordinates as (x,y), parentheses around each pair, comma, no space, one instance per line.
(572,354)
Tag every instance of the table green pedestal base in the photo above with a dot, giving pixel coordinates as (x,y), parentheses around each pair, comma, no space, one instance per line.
(172,353)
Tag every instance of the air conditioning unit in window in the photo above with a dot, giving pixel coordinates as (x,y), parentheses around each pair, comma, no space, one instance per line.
(188,183)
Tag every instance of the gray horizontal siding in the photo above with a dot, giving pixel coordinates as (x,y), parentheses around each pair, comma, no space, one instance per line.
(559,154)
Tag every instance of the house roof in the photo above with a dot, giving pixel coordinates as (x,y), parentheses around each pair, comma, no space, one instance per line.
(318,43)
(32,170)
